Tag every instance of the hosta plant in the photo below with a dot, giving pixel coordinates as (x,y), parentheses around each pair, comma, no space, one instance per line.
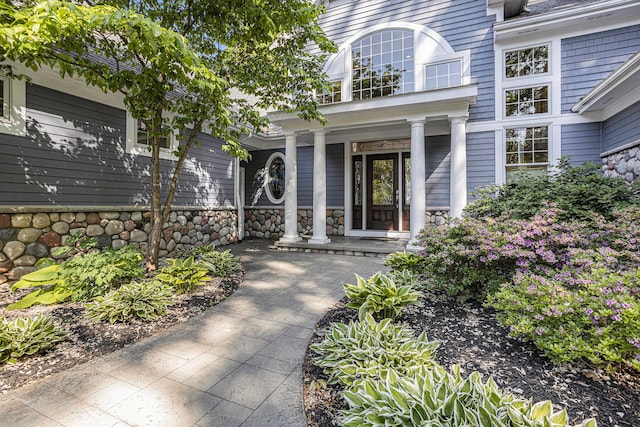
(380,296)
(219,263)
(368,349)
(135,300)
(183,275)
(27,336)
(404,260)
(81,278)
(435,398)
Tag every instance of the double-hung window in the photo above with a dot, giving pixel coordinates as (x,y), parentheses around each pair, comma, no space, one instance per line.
(527,150)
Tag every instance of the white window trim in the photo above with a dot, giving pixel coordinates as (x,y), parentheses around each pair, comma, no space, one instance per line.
(15,112)
(143,150)
(446,61)
(267,178)
(553,149)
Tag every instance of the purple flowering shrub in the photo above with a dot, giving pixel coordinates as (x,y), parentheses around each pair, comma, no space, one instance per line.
(475,257)
(570,286)
(593,315)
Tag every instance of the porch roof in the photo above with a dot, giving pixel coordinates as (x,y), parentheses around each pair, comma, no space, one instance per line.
(430,105)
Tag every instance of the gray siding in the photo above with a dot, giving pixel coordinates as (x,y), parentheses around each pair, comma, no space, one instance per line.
(254,177)
(588,59)
(581,142)
(463,23)
(75,154)
(481,161)
(438,166)
(623,128)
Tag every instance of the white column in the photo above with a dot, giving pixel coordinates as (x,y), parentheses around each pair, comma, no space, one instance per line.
(291,191)
(458,190)
(418,182)
(319,189)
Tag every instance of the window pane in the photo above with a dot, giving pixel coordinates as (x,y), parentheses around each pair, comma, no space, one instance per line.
(383,67)
(276,178)
(2,100)
(527,61)
(526,146)
(532,100)
(407,181)
(383,182)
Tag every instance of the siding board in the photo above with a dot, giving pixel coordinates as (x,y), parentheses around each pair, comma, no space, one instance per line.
(581,142)
(481,163)
(588,59)
(75,154)
(622,129)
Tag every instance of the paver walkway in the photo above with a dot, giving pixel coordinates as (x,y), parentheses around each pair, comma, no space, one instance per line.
(237,364)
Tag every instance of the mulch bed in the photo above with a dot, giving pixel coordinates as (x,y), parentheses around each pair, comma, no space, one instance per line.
(89,339)
(470,336)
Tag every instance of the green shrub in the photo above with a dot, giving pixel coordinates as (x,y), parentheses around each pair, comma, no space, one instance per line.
(433,397)
(183,275)
(593,315)
(26,337)
(367,349)
(577,191)
(405,261)
(476,256)
(379,296)
(76,243)
(219,263)
(144,300)
(81,278)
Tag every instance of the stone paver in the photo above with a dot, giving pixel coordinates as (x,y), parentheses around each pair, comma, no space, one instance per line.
(237,364)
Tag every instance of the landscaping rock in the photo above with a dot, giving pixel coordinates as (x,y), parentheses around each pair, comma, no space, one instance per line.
(114,227)
(93,218)
(109,215)
(67,217)
(60,227)
(5,221)
(17,272)
(21,220)
(39,250)
(138,236)
(25,261)
(41,220)
(29,235)
(8,234)
(94,230)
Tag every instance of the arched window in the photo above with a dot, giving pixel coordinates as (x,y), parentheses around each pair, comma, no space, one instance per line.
(275,178)
(383,64)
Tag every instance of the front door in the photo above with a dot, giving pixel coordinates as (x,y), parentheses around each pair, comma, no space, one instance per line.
(382,192)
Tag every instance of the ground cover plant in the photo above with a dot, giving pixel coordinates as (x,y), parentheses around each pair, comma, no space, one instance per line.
(141,300)
(389,376)
(22,337)
(96,301)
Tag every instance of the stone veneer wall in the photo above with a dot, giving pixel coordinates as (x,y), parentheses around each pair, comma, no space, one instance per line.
(436,217)
(624,164)
(27,237)
(268,223)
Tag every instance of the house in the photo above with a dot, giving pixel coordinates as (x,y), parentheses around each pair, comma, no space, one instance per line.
(429,99)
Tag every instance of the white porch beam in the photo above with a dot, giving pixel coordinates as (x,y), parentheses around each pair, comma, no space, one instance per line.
(458,189)
(291,191)
(319,189)
(418,182)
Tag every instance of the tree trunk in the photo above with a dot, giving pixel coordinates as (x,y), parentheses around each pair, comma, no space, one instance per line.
(153,250)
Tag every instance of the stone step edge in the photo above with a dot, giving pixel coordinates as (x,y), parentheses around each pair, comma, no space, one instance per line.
(330,251)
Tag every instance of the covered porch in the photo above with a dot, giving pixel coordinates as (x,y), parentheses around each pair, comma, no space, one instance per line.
(384,147)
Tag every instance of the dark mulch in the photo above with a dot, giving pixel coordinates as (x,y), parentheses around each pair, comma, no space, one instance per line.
(88,339)
(470,336)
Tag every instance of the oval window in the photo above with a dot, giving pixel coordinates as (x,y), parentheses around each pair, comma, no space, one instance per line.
(275,178)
